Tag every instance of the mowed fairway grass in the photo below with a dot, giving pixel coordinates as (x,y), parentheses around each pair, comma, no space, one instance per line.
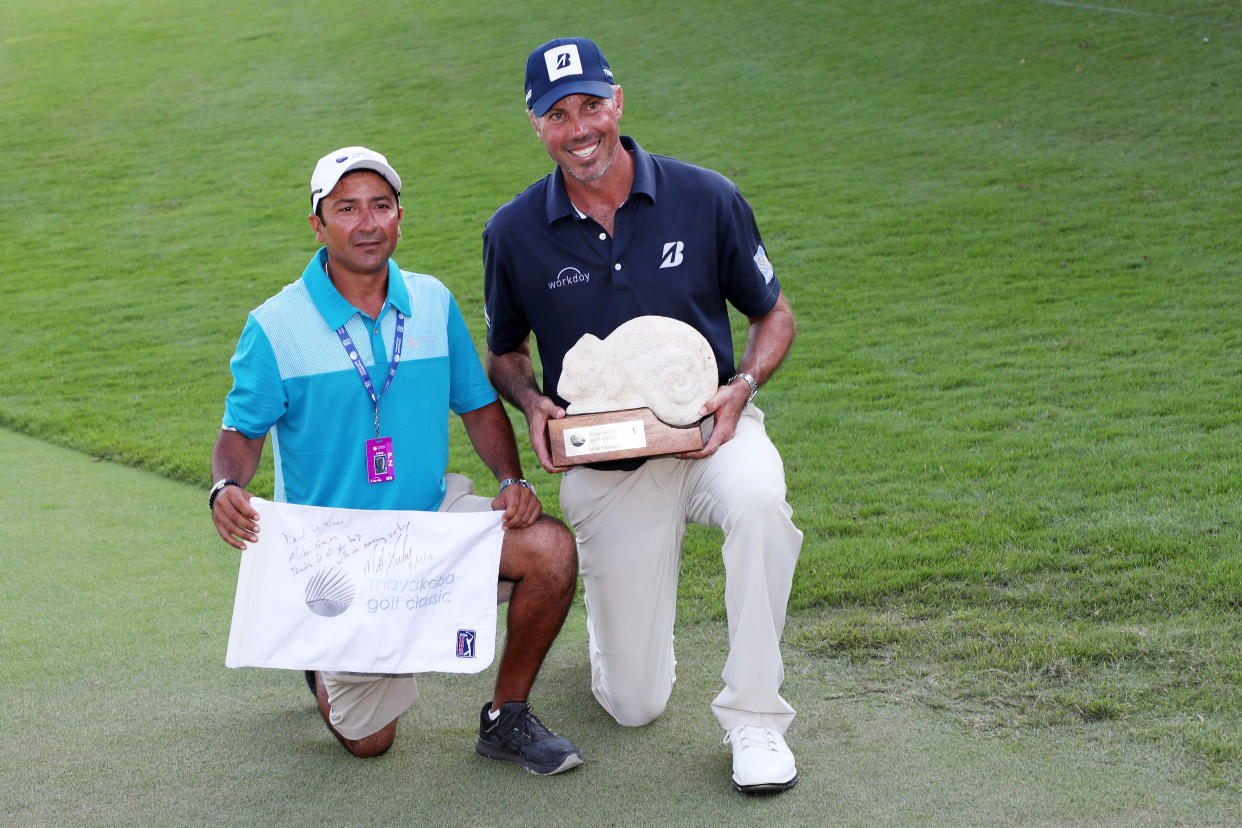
(1011,421)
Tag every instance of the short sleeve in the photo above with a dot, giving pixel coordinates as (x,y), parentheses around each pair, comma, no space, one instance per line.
(257,399)
(507,325)
(748,279)
(468,385)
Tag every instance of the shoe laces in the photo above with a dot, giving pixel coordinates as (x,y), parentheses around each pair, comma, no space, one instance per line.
(524,726)
(752,736)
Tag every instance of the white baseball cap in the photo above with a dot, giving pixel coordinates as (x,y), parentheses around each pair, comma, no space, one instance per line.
(335,164)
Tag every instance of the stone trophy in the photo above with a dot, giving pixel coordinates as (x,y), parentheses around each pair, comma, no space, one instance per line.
(635,393)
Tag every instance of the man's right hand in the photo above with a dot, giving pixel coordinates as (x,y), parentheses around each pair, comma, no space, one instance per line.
(537,417)
(235,519)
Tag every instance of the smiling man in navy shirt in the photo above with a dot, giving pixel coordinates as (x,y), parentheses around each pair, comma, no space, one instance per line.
(611,234)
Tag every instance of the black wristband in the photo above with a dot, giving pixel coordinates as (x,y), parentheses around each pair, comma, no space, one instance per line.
(220,486)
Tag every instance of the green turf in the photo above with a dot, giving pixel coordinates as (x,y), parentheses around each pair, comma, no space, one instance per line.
(119,710)
(1009,229)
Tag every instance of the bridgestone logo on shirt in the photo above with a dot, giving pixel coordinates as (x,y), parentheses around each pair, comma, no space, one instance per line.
(569,276)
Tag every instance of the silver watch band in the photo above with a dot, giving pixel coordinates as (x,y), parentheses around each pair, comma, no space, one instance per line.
(509,481)
(754,386)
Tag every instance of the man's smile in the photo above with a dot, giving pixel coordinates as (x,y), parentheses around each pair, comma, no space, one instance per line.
(585,151)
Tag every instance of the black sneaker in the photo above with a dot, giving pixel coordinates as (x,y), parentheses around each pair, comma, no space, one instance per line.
(518,736)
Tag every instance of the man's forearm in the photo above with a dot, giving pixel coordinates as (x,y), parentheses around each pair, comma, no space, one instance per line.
(235,457)
(768,341)
(491,434)
(513,377)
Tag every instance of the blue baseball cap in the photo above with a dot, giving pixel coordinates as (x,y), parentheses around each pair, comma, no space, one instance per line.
(565,66)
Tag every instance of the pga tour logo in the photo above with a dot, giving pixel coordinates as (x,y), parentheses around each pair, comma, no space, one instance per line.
(465,643)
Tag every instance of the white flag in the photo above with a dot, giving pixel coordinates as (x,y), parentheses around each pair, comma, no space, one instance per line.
(367,591)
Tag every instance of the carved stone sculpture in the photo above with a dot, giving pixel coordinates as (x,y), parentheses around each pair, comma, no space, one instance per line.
(649,362)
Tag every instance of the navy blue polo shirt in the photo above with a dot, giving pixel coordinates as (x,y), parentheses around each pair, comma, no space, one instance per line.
(684,244)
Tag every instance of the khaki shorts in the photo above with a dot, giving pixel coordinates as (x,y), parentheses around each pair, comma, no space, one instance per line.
(363,703)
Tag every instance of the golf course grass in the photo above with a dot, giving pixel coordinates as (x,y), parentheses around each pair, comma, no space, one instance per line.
(1011,420)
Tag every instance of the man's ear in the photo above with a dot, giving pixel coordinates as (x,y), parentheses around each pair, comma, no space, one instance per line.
(316,224)
(534,122)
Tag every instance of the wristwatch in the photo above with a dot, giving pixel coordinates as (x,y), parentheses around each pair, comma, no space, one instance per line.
(220,486)
(754,386)
(525,484)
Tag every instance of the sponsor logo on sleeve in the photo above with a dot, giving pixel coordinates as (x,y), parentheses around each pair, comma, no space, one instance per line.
(765,267)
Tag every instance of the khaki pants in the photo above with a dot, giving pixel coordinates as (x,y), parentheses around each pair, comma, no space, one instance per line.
(363,703)
(630,527)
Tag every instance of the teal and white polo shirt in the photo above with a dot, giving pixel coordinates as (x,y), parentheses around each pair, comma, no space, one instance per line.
(292,377)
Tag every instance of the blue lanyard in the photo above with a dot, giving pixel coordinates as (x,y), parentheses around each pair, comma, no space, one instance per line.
(352,352)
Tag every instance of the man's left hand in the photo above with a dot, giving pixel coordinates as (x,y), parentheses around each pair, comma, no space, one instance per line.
(727,404)
(521,507)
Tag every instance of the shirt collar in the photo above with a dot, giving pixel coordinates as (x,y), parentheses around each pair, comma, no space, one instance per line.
(557,198)
(332,306)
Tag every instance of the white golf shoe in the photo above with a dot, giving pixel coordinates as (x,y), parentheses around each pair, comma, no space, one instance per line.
(762,762)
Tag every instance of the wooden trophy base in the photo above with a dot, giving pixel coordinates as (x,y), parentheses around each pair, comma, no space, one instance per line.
(617,435)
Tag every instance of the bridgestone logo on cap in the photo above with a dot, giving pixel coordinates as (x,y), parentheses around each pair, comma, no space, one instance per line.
(562,61)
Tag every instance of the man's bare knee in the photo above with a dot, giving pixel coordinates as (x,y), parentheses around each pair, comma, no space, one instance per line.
(378,743)
(544,550)
(368,747)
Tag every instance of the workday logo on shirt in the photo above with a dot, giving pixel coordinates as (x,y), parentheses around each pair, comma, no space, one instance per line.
(569,276)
